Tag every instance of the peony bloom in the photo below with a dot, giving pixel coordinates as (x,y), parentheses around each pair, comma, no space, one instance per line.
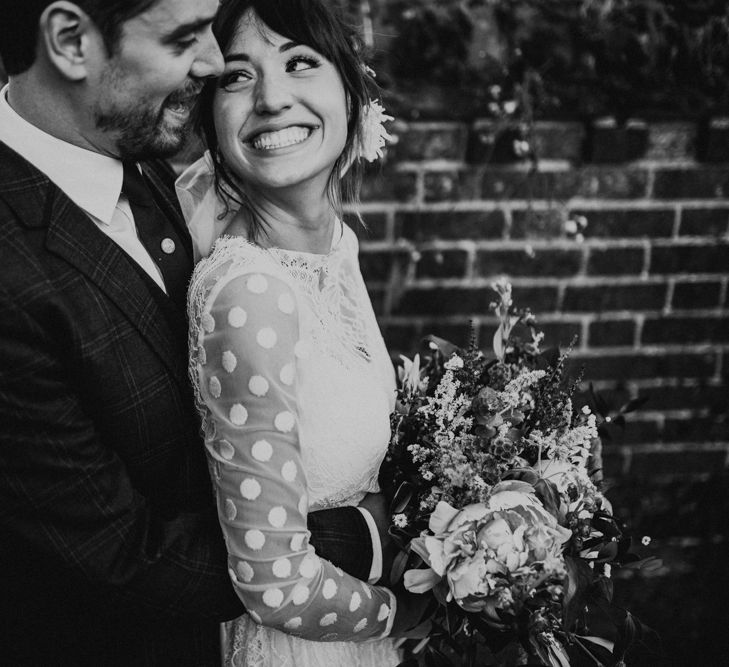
(484,548)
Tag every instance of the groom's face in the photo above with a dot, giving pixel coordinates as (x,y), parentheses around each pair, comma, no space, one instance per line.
(145,90)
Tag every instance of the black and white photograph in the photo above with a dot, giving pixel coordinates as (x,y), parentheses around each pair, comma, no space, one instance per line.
(364,333)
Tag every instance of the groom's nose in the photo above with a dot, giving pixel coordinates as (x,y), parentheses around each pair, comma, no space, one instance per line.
(208,59)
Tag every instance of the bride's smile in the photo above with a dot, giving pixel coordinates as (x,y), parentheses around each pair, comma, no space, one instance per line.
(271,140)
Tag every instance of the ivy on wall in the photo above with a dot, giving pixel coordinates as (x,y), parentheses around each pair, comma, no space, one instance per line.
(578,58)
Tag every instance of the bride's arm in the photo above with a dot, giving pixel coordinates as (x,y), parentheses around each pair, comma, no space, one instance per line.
(249,341)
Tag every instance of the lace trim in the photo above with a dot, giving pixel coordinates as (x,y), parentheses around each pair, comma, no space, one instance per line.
(328,281)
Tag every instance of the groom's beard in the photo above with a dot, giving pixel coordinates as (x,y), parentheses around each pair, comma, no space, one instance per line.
(143,131)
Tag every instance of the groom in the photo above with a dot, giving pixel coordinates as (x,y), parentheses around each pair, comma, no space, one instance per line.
(110,550)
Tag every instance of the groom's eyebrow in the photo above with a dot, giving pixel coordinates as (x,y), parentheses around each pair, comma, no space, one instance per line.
(287,46)
(187,28)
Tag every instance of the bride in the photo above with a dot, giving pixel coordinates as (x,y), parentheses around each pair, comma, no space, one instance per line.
(292,377)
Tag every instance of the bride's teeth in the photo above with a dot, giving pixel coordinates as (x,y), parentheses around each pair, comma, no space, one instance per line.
(286,137)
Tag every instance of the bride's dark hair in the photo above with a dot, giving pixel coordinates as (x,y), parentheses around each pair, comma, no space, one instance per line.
(313,23)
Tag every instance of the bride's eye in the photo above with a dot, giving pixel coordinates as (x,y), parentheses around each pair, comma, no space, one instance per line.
(301,62)
(234,79)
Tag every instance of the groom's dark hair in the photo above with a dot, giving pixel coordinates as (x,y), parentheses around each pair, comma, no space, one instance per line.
(19,26)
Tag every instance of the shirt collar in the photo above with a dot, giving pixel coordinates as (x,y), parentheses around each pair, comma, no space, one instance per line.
(91,180)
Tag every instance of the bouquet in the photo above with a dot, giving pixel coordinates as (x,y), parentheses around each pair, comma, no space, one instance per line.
(497,505)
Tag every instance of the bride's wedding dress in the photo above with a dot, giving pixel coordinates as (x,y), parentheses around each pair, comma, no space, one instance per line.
(295,388)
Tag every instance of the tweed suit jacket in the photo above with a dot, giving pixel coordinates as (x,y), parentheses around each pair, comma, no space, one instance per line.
(110,547)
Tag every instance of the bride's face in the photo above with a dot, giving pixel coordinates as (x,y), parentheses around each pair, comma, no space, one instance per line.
(280,111)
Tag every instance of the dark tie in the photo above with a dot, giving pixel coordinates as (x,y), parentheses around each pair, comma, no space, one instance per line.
(158,235)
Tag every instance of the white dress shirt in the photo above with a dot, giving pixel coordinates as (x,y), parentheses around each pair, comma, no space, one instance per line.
(90,180)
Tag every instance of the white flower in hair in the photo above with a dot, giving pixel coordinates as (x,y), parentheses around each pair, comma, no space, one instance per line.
(374,135)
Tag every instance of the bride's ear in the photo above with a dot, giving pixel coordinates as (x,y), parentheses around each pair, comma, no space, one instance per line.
(69,40)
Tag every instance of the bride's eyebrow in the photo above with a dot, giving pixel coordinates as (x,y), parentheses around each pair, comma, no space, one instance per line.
(241,55)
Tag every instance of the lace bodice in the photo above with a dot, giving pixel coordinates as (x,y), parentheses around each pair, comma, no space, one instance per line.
(294,386)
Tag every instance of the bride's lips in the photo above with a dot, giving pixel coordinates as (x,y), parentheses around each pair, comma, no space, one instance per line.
(270,139)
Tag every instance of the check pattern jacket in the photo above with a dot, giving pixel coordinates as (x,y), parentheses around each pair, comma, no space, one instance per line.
(110,548)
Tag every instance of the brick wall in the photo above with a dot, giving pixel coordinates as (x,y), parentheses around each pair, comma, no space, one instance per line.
(645,292)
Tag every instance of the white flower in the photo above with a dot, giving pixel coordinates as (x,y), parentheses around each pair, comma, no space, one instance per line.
(374,135)
(400,520)
(453,363)
(646,540)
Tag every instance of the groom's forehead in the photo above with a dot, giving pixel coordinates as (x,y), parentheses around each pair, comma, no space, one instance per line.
(169,16)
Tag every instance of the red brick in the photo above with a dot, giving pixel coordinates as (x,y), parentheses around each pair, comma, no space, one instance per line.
(401,338)
(509,183)
(377,296)
(615,261)
(542,262)
(672,329)
(641,365)
(458,333)
(714,141)
(375,226)
(696,429)
(611,333)
(680,259)
(538,223)
(446,141)
(560,334)
(678,463)
(633,223)
(602,298)
(389,186)
(445,301)
(594,182)
(671,141)
(558,141)
(428,225)
(451,185)
(704,294)
(704,221)
(691,183)
(612,463)
(377,265)
(639,432)
(407,339)
(611,182)
(442,264)
(713,398)
(608,142)
(540,300)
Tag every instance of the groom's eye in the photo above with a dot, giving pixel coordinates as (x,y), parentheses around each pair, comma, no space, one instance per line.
(186,43)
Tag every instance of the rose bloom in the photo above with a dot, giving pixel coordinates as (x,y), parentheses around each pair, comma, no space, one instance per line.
(485,548)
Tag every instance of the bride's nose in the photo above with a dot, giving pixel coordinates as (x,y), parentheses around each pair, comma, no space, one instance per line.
(273,94)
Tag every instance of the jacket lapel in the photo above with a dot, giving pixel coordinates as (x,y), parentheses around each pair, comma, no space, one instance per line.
(72,236)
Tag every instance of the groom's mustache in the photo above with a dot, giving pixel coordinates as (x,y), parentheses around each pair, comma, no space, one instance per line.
(185,95)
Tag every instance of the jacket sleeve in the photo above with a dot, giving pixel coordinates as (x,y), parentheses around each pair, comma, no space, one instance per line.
(247,353)
(68,505)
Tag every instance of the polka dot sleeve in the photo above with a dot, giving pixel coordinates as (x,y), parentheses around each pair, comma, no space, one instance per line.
(250,337)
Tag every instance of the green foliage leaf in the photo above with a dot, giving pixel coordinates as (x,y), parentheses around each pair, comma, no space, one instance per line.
(403,496)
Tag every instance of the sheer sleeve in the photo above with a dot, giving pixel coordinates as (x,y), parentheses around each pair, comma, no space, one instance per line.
(250,336)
